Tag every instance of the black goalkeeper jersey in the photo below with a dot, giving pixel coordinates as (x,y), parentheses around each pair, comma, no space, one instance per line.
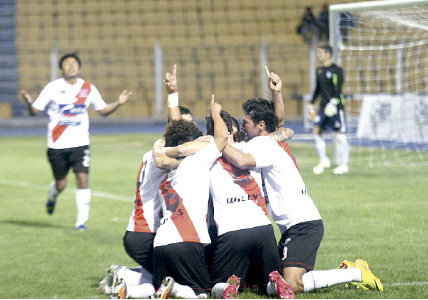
(329,85)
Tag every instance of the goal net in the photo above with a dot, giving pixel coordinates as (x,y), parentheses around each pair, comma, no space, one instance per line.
(382,47)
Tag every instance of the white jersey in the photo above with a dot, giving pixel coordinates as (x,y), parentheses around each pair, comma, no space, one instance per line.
(68,111)
(289,202)
(147,206)
(238,198)
(185,200)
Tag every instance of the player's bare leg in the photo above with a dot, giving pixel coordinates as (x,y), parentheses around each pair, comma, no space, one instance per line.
(55,189)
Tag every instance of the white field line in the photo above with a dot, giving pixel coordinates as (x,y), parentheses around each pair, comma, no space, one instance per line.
(406,283)
(100,194)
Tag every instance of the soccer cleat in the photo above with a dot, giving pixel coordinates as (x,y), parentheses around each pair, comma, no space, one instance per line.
(121,290)
(341,169)
(324,163)
(368,279)
(232,287)
(165,289)
(50,205)
(282,289)
(81,227)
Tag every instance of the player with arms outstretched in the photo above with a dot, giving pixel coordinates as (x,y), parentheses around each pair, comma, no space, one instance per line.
(67,101)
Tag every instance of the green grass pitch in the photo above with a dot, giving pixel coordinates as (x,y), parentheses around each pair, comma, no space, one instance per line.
(378,214)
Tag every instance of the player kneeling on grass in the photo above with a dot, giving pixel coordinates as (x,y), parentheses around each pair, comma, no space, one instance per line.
(301,225)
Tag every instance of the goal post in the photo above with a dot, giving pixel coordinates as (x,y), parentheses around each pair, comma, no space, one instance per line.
(382,47)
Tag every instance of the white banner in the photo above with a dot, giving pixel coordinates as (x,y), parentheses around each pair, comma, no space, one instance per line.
(401,118)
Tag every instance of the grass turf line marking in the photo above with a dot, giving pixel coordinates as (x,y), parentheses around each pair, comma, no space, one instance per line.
(71,190)
(406,283)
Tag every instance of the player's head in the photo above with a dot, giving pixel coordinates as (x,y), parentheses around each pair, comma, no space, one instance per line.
(70,65)
(209,122)
(179,132)
(235,125)
(186,114)
(259,118)
(324,53)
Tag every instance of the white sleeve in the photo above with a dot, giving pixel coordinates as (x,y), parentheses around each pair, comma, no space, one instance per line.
(43,99)
(260,149)
(206,156)
(97,101)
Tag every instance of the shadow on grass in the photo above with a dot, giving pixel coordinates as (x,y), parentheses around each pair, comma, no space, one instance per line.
(31,224)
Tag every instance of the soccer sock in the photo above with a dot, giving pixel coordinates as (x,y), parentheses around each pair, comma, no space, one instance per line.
(145,276)
(83,198)
(320,146)
(345,149)
(336,150)
(53,192)
(218,289)
(322,279)
(183,291)
(145,290)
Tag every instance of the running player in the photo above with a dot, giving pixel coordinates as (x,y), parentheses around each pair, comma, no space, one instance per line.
(67,101)
(331,113)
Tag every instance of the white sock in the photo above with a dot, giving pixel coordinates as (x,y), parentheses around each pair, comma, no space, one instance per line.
(270,289)
(53,192)
(218,289)
(322,279)
(83,198)
(183,291)
(320,146)
(344,148)
(145,290)
(337,158)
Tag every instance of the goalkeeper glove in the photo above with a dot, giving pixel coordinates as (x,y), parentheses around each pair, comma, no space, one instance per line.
(331,108)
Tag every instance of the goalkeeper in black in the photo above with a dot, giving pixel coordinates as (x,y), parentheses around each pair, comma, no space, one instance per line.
(331,114)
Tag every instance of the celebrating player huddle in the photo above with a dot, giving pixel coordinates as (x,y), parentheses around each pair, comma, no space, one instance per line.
(201,218)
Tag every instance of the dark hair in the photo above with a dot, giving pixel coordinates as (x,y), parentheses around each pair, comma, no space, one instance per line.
(185,110)
(235,123)
(179,132)
(327,49)
(261,110)
(68,55)
(209,122)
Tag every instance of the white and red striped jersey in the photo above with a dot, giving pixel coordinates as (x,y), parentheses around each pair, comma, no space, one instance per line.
(185,199)
(238,197)
(68,111)
(147,206)
(289,202)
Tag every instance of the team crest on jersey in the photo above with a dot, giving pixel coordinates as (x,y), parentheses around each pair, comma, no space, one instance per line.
(72,109)
(328,74)
(83,93)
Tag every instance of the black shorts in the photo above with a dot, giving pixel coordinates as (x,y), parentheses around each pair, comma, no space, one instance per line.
(185,262)
(139,246)
(250,254)
(336,122)
(299,244)
(62,160)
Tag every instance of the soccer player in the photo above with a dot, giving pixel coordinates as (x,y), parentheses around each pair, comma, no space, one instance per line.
(178,253)
(67,100)
(290,205)
(145,218)
(331,113)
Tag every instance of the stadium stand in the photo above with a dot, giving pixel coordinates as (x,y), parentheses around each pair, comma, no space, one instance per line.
(216,45)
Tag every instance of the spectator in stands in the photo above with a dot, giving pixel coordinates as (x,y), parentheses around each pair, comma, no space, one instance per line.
(323,28)
(346,22)
(308,25)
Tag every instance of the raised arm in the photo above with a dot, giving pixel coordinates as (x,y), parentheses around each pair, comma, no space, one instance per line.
(29,100)
(171,88)
(275,85)
(221,134)
(112,107)
(187,148)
